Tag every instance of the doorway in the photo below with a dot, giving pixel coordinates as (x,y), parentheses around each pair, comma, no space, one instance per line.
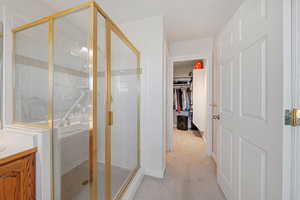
(189,98)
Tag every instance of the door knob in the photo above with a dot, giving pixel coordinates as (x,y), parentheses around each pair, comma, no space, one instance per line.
(217,117)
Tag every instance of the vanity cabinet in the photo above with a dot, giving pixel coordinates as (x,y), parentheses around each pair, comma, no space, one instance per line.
(17,176)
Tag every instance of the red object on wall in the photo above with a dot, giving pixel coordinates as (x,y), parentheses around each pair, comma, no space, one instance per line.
(198,65)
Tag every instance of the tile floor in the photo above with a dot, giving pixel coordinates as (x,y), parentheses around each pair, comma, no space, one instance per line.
(75,183)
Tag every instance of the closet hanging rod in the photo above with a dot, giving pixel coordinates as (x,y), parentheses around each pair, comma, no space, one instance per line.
(181,85)
(175,77)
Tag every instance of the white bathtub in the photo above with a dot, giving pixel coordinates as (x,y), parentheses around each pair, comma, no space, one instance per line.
(70,146)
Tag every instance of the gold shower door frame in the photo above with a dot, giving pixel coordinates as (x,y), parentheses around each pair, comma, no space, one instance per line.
(93,76)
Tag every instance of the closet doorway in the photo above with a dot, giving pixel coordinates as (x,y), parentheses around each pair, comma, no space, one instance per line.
(189,99)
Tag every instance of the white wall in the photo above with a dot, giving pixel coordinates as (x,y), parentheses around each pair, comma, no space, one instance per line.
(169,107)
(189,50)
(165,100)
(148,36)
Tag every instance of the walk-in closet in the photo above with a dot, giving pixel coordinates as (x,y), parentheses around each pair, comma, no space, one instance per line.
(190,95)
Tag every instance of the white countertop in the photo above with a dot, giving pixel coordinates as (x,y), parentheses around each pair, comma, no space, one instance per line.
(13,143)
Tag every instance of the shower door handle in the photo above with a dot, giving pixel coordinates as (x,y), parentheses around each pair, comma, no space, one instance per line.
(110,118)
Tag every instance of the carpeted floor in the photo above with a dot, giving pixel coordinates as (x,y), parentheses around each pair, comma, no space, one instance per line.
(190,173)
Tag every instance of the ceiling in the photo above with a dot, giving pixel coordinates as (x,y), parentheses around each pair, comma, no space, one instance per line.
(183,68)
(184,19)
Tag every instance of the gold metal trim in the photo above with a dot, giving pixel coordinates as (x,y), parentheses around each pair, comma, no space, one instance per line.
(124,188)
(58,14)
(13,77)
(294,117)
(116,29)
(73,9)
(108,190)
(122,36)
(29,25)
(31,125)
(94,122)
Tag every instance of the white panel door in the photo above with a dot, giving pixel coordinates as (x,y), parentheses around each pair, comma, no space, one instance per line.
(251,84)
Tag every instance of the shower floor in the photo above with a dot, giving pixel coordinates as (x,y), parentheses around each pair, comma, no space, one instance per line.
(75,183)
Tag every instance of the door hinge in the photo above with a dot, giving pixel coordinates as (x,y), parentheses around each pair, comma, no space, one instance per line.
(292,117)
(217,117)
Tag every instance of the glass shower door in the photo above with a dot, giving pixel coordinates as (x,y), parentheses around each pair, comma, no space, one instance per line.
(71,106)
(124,102)
(101,107)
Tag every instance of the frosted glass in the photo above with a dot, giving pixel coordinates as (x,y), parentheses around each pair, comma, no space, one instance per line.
(124,105)
(72,105)
(31,83)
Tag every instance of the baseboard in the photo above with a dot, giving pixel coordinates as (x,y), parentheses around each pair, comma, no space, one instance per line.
(214,157)
(155,173)
(204,139)
(134,185)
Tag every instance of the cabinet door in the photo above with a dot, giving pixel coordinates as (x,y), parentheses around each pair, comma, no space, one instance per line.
(10,181)
(28,178)
(17,179)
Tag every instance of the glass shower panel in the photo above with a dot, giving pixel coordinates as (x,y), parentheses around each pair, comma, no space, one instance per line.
(124,105)
(1,71)
(101,106)
(31,83)
(72,105)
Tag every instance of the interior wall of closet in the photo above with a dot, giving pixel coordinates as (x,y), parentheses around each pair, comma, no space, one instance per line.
(190,95)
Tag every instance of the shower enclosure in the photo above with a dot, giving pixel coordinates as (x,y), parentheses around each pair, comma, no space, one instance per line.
(1,72)
(77,74)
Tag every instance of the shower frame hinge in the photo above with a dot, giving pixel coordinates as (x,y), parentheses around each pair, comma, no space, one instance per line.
(292,117)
